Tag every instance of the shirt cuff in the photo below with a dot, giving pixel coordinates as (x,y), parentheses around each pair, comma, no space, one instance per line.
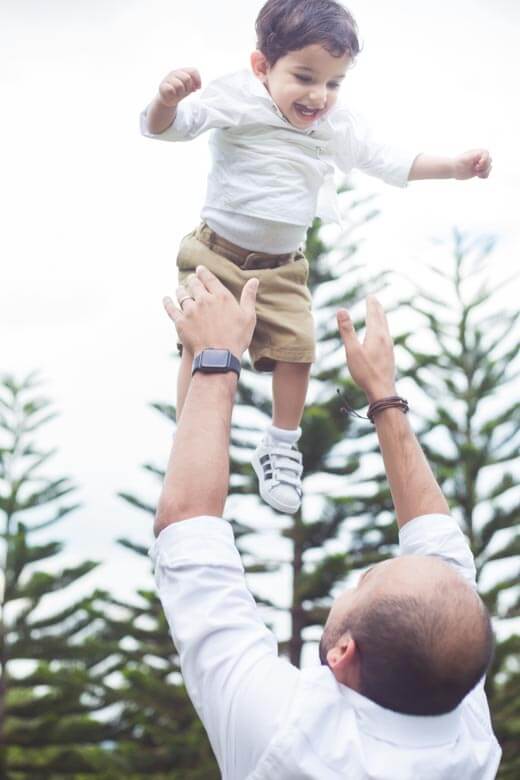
(441,536)
(179,130)
(202,540)
(400,171)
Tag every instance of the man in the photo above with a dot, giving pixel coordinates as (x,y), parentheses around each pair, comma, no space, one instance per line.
(400,691)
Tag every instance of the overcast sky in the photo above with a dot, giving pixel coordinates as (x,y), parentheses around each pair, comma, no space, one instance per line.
(92,213)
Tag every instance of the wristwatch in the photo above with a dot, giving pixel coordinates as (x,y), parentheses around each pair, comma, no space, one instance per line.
(215,361)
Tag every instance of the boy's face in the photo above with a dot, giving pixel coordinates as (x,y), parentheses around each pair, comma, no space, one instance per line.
(304,84)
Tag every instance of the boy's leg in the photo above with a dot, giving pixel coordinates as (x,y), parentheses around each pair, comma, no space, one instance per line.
(290,384)
(277,461)
(183,380)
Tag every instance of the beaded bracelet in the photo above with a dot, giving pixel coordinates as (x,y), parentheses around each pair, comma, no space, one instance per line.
(393,401)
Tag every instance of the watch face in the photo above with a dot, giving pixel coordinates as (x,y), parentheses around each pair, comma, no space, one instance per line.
(214,358)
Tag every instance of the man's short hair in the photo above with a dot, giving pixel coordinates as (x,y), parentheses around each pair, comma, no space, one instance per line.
(283,26)
(407,663)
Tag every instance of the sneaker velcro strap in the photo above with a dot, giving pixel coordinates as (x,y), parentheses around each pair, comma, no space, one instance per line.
(288,465)
(285,452)
(287,478)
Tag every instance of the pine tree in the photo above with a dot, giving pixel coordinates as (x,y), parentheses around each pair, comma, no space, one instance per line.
(467,359)
(348,525)
(163,737)
(49,686)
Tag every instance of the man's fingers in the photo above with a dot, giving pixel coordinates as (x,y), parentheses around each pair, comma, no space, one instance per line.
(184,297)
(248,296)
(171,309)
(209,280)
(346,329)
(376,317)
(195,287)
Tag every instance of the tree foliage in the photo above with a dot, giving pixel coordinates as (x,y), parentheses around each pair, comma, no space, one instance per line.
(50,684)
(163,736)
(465,362)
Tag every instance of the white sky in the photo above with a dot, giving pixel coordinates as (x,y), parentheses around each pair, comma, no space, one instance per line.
(92,213)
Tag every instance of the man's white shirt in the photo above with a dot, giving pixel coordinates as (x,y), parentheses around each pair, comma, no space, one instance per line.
(263,167)
(267,719)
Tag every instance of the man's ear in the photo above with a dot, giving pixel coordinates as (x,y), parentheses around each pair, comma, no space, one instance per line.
(259,65)
(343,660)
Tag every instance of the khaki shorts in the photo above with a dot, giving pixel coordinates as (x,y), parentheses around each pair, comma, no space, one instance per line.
(285,326)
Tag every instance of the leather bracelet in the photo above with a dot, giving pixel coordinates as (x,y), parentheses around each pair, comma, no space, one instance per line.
(393,401)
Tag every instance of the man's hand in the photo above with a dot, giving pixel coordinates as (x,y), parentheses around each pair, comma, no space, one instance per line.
(177,85)
(210,315)
(476,162)
(371,363)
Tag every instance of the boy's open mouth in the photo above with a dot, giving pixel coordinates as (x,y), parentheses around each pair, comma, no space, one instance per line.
(307,113)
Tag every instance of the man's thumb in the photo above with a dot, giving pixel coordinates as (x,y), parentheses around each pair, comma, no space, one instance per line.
(248,297)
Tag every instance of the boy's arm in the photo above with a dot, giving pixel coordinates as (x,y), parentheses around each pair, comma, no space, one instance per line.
(177,85)
(355,146)
(476,162)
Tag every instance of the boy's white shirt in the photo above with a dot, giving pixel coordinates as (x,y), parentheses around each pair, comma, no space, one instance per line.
(263,167)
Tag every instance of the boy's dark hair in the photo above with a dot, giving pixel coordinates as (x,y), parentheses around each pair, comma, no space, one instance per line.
(283,26)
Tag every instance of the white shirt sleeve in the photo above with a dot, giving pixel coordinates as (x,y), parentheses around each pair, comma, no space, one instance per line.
(439,535)
(215,107)
(356,147)
(228,657)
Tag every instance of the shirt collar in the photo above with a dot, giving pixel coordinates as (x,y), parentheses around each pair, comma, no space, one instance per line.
(414,731)
(404,730)
(258,89)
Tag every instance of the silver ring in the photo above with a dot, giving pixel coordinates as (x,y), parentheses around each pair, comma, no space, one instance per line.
(186,298)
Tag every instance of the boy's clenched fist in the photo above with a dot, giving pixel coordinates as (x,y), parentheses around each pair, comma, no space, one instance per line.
(177,85)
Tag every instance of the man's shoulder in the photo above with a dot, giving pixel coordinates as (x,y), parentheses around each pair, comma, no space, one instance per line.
(441,536)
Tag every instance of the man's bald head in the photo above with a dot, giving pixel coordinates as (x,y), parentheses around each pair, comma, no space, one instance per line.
(422,635)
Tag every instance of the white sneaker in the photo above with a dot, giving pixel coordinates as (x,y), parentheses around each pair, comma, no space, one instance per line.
(279,469)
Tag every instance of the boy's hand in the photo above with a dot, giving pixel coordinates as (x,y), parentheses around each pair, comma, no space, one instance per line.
(476,162)
(177,85)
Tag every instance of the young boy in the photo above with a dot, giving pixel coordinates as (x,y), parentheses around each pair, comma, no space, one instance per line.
(278,135)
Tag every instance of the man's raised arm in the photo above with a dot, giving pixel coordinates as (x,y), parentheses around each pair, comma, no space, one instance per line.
(415,491)
(226,651)
(197,476)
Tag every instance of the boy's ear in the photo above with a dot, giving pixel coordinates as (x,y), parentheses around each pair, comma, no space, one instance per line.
(259,65)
